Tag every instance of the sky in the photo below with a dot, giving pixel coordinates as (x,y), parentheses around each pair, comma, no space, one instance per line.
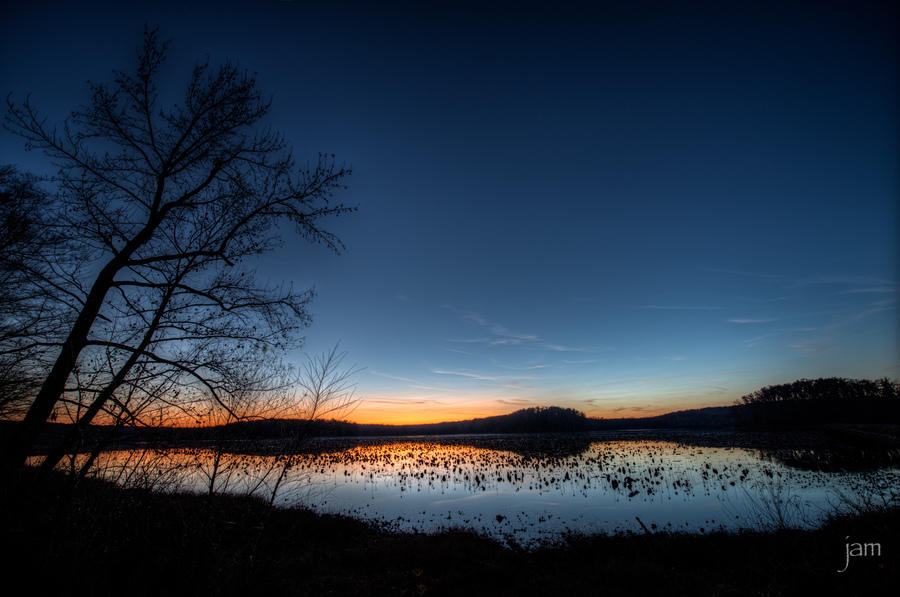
(627,210)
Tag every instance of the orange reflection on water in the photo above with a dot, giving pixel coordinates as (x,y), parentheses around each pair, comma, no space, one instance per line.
(523,485)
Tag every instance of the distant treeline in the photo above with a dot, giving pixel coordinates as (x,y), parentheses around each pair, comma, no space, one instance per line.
(827,389)
(818,401)
(800,403)
(711,417)
(803,403)
(541,419)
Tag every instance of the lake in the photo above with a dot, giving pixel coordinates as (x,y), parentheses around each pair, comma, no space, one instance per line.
(523,489)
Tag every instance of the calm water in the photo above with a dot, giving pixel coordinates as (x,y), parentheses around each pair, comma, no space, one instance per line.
(602,486)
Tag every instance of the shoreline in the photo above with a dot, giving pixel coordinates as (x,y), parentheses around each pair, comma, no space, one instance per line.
(183,543)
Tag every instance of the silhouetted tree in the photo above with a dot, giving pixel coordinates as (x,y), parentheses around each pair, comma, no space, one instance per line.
(30,245)
(831,388)
(163,206)
(824,400)
(325,387)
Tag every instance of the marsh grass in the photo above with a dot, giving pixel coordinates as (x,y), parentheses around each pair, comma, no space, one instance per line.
(102,539)
(771,504)
(872,498)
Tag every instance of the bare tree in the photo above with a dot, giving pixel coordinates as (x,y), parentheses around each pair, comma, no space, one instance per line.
(163,206)
(326,388)
(327,385)
(265,393)
(29,243)
(323,387)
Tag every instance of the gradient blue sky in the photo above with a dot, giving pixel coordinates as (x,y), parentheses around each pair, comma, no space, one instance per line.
(621,210)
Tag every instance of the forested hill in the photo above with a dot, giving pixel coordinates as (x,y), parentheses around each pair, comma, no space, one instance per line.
(529,420)
(547,419)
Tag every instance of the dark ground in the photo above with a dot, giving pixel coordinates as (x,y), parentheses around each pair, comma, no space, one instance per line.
(97,539)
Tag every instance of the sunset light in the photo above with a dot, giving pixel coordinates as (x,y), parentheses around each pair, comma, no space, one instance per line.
(450,298)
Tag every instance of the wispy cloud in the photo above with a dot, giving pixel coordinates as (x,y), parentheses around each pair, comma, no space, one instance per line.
(738,272)
(394,377)
(774,299)
(470,340)
(884,303)
(500,334)
(871,290)
(563,348)
(466,374)
(481,377)
(630,408)
(878,307)
(514,401)
(814,346)
(402,401)
(863,281)
(676,357)
(513,340)
(680,307)
(503,336)
(506,381)
(523,367)
(458,351)
(599,401)
(517,386)
(829,336)
(470,316)
(743,320)
(412,382)
(756,340)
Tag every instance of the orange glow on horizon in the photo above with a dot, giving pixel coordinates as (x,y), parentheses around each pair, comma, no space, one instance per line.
(419,414)
(412,411)
(427,414)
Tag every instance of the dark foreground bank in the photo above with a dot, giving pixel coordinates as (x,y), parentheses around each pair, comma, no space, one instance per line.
(102,540)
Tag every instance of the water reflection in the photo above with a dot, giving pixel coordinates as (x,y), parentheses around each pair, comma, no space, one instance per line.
(522,496)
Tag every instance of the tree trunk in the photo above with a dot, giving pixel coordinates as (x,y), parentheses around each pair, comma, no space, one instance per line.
(21,442)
